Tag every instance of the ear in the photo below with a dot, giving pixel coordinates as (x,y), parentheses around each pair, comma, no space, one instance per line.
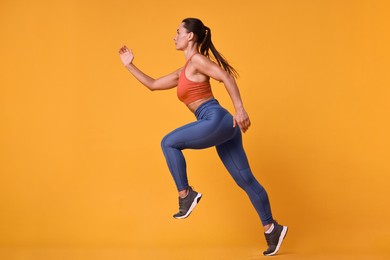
(191,36)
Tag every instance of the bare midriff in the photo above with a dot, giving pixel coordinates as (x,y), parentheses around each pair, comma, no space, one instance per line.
(194,105)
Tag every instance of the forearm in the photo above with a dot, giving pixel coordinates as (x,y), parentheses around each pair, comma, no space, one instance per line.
(234,93)
(240,118)
(146,80)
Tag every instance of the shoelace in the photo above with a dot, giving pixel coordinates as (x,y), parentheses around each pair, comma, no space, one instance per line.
(268,238)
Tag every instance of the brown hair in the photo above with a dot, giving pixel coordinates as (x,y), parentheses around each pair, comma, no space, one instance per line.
(203,36)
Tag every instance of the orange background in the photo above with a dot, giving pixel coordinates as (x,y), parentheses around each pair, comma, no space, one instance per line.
(80,159)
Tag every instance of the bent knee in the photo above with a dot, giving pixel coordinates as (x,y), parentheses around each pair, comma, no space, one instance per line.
(165,142)
(169,141)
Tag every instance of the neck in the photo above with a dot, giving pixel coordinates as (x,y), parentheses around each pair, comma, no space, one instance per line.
(191,50)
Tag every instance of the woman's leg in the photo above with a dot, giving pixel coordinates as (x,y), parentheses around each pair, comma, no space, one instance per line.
(234,158)
(203,133)
(209,130)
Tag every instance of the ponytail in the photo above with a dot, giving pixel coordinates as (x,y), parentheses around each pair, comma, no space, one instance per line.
(203,34)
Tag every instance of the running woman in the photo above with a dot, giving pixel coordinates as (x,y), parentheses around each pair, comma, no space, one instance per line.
(214,125)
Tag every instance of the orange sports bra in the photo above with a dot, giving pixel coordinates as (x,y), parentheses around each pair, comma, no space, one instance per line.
(189,91)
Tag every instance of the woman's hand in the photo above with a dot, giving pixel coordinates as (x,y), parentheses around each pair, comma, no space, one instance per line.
(241,119)
(126,55)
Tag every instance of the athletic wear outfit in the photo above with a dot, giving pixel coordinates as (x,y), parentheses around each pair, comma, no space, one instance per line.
(189,91)
(214,127)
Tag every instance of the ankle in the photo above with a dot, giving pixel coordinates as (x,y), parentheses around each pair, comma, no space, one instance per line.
(183,193)
(269,228)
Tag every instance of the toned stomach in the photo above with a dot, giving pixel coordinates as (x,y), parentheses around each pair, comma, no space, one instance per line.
(194,105)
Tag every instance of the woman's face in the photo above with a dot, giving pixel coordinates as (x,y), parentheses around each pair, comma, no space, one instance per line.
(181,38)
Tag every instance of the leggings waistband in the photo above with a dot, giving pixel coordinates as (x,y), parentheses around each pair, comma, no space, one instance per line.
(205,105)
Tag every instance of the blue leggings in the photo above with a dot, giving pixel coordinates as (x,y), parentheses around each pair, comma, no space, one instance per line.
(214,127)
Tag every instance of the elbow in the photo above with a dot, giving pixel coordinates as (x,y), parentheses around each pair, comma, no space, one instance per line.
(232,76)
(228,78)
(152,87)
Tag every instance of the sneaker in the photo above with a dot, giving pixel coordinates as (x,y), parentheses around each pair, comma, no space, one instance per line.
(275,239)
(187,204)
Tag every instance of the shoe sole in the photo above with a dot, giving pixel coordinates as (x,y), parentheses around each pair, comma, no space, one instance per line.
(281,238)
(193,205)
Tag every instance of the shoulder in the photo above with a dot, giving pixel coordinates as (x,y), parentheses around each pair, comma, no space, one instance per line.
(178,71)
(175,74)
(196,58)
(199,60)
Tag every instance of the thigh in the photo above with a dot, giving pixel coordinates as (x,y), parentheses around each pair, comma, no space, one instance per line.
(203,133)
(232,154)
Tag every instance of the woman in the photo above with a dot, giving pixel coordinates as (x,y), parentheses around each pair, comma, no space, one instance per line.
(215,126)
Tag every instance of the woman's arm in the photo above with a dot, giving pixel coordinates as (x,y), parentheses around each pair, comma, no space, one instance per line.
(209,68)
(166,82)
